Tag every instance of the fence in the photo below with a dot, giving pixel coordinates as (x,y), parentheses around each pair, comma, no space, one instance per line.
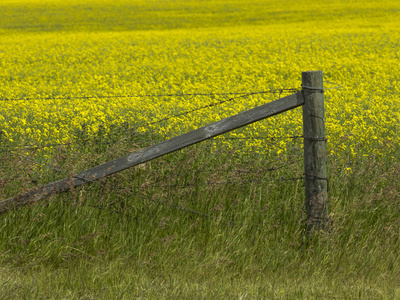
(310,97)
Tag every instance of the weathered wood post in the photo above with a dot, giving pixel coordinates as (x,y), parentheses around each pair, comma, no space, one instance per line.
(316,181)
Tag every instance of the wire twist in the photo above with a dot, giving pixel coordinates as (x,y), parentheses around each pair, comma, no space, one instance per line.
(312,89)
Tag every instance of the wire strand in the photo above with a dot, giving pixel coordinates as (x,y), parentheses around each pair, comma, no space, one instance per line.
(147,95)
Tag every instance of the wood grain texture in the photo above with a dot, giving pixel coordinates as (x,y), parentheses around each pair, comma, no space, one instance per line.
(314,152)
(152,152)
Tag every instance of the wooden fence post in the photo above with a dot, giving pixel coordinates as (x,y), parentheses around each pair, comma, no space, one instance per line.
(316,181)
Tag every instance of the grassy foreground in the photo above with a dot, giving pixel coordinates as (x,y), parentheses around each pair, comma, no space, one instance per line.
(136,235)
(218,220)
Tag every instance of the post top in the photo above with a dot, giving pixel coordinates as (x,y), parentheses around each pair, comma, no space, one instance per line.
(314,71)
(312,80)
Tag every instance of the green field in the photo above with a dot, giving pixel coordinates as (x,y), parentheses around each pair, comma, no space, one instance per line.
(85,83)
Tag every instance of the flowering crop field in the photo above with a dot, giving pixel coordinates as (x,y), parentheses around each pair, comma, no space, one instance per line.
(65,65)
(205,223)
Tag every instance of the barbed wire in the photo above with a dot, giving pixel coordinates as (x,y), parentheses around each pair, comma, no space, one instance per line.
(163,203)
(241,95)
(262,137)
(182,208)
(219,103)
(99,142)
(236,182)
(205,183)
(45,165)
(122,197)
(179,207)
(36,147)
(276,91)
(239,171)
(214,170)
(125,212)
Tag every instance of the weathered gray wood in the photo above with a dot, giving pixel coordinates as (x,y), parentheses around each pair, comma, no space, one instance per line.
(314,152)
(149,153)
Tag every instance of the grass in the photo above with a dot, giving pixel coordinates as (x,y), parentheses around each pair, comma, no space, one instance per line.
(135,235)
(213,220)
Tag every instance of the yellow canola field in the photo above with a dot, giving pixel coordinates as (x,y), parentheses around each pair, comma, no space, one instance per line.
(54,82)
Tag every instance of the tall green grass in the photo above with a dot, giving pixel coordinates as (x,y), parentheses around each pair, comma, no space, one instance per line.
(205,222)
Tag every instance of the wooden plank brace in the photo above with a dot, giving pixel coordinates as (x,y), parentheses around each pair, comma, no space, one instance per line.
(152,152)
